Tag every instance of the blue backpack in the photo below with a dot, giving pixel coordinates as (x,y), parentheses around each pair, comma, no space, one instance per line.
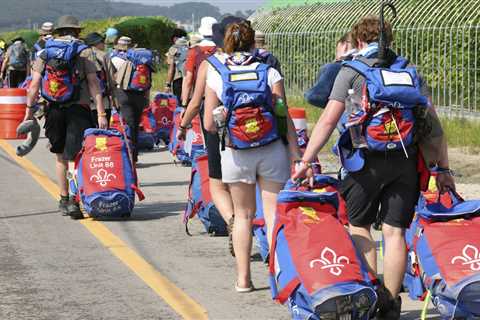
(389,97)
(106,179)
(250,118)
(444,255)
(60,80)
(141,77)
(200,200)
(314,265)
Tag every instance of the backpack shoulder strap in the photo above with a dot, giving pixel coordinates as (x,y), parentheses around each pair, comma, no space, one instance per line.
(357,65)
(218,65)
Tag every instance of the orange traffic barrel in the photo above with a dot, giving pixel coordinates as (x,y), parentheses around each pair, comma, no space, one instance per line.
(299,117)
(13,104)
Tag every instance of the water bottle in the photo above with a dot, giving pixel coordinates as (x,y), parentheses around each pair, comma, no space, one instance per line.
(353,104)
(281,116)
(219,116)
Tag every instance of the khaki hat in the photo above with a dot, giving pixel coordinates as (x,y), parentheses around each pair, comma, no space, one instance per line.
(124,43)
(259,36)
(194,39)
(68,22)
(46,28)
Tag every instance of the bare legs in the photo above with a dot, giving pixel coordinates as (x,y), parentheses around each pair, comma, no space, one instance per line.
(61,167)
(243,197)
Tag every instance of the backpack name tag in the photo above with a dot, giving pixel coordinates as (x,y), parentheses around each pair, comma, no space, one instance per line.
(397,78)
(248,76)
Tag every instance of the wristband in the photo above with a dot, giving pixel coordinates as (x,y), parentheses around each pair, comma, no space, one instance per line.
(440,170)
(103,114)
(168,84)
(30,107)
(307,164)
(186,127)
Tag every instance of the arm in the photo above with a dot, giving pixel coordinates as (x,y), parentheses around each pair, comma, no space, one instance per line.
(170,75)
(32,94)
(187,87)
(278,91)
(211,102)
(188,78)
(4,65)
(194,105)
(321,133)
(95,93)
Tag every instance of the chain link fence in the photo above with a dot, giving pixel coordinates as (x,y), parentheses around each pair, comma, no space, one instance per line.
(441,37)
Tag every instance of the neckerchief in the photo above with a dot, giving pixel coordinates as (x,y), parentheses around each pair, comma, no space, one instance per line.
(240,59)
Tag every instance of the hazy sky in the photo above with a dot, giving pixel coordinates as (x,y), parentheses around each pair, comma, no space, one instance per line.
(224,5)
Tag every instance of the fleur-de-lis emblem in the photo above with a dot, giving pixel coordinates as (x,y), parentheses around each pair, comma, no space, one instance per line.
(470,256)
(103,177)
(245,98)
(331,261)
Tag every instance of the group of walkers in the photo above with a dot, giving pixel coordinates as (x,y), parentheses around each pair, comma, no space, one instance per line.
(236,86)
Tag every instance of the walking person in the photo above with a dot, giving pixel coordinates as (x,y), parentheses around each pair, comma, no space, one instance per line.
(176,58)
(68,113)
(132,73)
(96,43)
(195,56)
(254,149)
(220,192)
(384,180)
(16,63)
(45,32)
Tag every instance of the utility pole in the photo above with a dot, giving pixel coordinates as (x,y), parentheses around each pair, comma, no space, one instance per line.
(193,22)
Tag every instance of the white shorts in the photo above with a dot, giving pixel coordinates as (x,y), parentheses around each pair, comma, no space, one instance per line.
(271,162)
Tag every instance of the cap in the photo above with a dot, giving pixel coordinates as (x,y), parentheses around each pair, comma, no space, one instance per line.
(123,43)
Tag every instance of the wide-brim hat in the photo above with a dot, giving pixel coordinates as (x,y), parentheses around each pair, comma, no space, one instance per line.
(68,22)
(93,39)
(206,24)
(124,43)
(46,28)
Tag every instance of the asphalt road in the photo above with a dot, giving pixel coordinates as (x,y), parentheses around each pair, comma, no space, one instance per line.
(52,267)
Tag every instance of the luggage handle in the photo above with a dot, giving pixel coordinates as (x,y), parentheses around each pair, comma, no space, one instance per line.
(456,198)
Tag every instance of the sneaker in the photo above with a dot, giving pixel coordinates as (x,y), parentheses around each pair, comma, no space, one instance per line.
(391,311)
(63,205)
(74,211)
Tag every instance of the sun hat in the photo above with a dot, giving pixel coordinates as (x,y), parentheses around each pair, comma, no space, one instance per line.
(124,43)
(93,39)
(259,36)
(194,39)
(68,22)
(206,24)
(46,28)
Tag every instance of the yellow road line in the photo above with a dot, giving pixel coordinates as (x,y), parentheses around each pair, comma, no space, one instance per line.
(171,294)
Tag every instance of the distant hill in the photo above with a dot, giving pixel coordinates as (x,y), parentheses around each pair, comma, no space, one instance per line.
(17,14)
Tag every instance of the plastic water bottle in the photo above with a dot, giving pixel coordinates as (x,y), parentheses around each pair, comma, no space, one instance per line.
(353,105)
(219,116)
(281,116)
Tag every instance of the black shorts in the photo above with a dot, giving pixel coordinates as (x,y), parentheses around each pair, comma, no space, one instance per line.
(214,158)
(64,127)
(388,185)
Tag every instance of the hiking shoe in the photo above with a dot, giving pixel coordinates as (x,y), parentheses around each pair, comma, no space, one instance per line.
(74,210)
(230,238)
(354,306)
(391,311)
(63,205)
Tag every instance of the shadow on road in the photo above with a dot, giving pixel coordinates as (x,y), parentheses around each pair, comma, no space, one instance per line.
(156,210)
(32,214)
(165,184)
